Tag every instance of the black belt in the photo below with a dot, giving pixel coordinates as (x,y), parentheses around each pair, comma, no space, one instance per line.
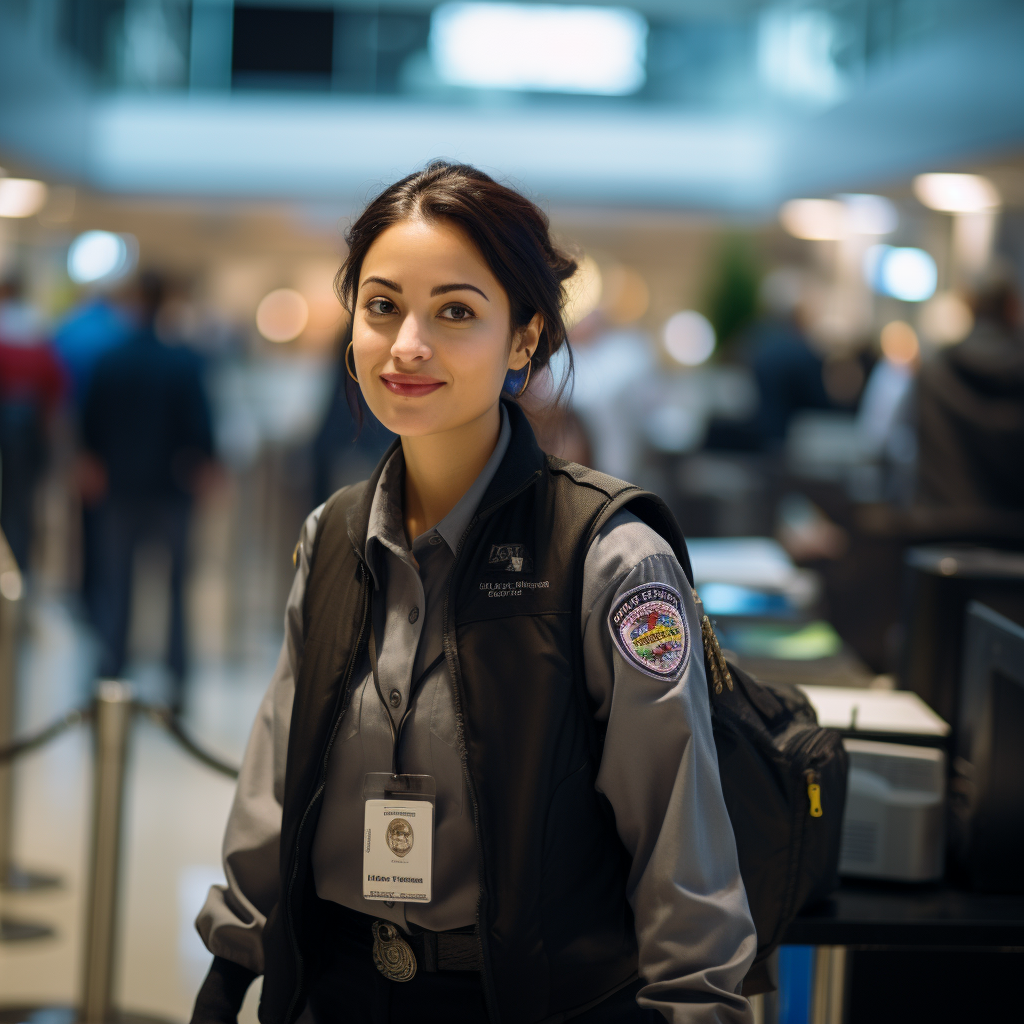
(447,951)
(398,956)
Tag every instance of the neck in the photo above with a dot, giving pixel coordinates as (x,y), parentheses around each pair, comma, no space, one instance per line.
(440,468)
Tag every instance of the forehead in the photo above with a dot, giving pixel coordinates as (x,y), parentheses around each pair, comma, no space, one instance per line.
(430,251)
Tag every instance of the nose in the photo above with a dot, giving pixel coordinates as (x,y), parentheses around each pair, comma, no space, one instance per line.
(410,345)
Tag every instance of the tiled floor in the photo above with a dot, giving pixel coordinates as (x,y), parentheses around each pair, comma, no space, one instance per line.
(175,812)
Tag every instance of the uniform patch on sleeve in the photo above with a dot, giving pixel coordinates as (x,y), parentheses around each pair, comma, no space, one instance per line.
(649,629)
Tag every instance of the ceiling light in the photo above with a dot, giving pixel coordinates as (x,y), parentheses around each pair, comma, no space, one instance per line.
(956,193)
(21,197)
(282,315)
(539,47)
(817,220)
(689,338)
(908,274)
(96,256)
(869,215)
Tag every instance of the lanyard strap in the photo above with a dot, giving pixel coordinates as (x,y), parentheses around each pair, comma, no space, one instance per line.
(396,731)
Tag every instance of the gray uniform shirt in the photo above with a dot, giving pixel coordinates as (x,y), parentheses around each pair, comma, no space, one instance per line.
(659,769)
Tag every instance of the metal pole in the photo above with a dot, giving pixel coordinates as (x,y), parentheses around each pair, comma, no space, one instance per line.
(828,998)
(10,605)
(113,723)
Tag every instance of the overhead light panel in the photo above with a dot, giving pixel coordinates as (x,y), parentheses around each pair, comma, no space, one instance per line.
(21,197)
(539,47)
(956,193)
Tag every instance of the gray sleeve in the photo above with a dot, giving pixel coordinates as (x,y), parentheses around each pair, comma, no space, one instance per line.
(232,919)
(659,770)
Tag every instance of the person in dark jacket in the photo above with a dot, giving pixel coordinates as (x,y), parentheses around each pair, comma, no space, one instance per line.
(482,786)
(146,431)
(970,411)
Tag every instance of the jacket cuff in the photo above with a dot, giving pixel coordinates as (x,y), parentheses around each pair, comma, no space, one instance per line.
(223,992)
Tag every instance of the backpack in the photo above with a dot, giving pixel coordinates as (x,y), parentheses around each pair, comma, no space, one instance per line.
(784,783)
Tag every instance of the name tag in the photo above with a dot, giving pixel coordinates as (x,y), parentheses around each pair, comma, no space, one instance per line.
(398,848)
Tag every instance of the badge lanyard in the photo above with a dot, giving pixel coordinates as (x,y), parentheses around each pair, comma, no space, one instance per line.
(398,827)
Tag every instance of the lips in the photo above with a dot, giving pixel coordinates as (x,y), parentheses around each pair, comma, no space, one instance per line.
(410,385)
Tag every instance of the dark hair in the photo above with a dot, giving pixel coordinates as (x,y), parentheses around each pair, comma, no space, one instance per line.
(510,232)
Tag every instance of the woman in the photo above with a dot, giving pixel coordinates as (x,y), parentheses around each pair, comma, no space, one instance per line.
(497,643)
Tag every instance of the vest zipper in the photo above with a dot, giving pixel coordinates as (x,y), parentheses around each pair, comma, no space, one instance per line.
(451,656)
(343,705)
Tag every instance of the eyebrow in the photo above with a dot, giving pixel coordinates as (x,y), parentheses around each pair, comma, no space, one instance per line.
(393,285)
(443,289)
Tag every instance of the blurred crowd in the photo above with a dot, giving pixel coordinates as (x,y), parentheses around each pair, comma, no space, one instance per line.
(845,458)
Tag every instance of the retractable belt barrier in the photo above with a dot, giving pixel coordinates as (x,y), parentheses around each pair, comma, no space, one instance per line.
(111,715)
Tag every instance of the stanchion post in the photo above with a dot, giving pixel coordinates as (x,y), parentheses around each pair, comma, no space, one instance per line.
(113,725)
(10,608)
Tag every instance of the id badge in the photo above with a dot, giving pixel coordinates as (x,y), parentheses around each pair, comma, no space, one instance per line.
(398,837)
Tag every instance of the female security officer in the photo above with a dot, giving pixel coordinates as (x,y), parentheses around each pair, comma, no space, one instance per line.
(482,785)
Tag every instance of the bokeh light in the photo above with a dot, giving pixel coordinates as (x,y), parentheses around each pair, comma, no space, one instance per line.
(946,319)
(903,273)
(956,193)
(899,343)
(689,337)
(282,315)
(21,197)
(815,220)
(96,256)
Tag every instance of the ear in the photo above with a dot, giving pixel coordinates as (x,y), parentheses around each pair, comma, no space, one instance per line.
(525,343)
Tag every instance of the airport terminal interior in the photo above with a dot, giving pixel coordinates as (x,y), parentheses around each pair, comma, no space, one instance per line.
(797,316)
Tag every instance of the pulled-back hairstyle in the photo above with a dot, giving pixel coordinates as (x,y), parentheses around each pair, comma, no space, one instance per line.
(510,232)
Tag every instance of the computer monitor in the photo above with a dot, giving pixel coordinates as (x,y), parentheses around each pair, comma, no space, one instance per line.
(987,798)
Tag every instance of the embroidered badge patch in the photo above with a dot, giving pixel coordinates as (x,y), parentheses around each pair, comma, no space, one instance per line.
(649,628)
(509,558)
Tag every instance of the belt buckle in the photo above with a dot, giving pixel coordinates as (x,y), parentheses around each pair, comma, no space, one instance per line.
(392,955)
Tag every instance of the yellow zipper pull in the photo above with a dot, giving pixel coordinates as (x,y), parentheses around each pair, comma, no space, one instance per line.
(814,795)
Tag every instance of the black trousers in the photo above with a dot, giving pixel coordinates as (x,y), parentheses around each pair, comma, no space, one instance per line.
(119,526)
(347,986)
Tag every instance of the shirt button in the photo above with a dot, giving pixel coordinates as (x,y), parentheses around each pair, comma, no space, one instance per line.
(395,697)
(435,538)
(414,614)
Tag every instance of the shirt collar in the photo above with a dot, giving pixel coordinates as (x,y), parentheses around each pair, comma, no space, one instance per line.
(385,524)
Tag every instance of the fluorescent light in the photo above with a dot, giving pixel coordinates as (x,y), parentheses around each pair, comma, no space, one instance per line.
(539,47)
(817,220)
(100,256)
(869,215)
(21,197)
(689,338)
(829,220)
(908,274)
(956,193)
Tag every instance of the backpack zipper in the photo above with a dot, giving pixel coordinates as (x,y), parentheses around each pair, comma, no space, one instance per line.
(814,792)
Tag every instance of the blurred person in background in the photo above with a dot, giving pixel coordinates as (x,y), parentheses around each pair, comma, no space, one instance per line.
(95,325)
(31,387)
(970,409)
(786,367)
(148,450)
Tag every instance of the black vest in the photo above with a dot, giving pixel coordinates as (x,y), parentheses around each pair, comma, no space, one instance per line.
(555,927)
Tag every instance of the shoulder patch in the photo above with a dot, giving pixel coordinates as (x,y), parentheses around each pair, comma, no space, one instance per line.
(649,628)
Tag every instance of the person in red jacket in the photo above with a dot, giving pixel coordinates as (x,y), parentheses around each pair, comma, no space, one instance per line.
(32,385)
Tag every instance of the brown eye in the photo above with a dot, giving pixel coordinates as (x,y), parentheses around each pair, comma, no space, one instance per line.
(382,307)
(457,312)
